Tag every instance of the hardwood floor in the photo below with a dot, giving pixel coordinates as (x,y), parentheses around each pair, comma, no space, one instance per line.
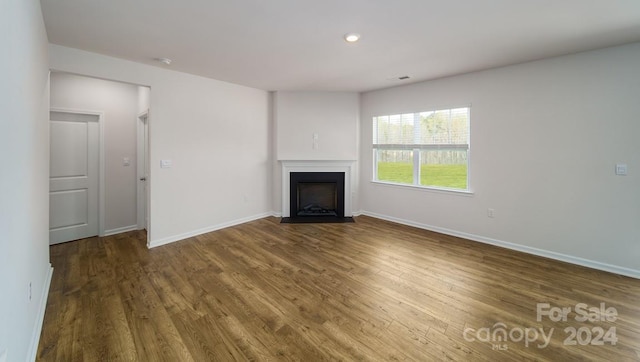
(371,290)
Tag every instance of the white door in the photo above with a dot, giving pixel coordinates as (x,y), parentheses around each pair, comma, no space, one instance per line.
(143,170)
(73,177)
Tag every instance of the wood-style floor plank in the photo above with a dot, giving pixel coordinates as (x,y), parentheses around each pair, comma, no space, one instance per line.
(368,291)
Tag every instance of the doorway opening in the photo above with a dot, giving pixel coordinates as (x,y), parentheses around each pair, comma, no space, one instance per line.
(122,111)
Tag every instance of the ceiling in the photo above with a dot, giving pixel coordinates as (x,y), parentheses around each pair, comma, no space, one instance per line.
(298,44)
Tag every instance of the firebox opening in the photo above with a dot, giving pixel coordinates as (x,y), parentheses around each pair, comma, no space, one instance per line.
(317,199)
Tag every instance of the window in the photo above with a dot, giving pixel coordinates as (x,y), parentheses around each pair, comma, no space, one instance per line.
(429,149)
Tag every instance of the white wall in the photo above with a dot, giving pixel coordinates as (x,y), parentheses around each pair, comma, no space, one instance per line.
(215,133)
(24,179)
(546,136)
(333,116)
(119,104)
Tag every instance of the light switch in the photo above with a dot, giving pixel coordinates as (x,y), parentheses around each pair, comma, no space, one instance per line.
(166,163)
(621,169)
(126,161)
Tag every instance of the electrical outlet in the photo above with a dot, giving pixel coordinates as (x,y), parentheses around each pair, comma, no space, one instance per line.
(491,213)
(621,169)
(29,293)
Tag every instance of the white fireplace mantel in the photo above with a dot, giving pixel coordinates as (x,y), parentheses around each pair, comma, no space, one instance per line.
(289,166)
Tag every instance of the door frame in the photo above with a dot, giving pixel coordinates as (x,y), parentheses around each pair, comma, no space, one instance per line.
(142,165)
(101,172)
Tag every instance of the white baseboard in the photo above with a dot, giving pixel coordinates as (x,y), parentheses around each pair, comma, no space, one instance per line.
(123,229)
(42,306)
(171,239)
(517,247)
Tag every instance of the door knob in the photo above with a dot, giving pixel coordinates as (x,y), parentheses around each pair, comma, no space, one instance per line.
(143,179)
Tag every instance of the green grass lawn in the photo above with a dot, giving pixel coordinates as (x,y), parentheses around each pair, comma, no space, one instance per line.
(452,176)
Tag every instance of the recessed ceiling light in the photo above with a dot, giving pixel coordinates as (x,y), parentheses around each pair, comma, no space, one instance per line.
(351,37)
(166,61)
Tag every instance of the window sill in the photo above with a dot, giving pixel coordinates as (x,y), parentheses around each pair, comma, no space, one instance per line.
(425,188)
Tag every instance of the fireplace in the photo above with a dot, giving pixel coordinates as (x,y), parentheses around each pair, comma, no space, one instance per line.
(317,177)
(316,194)
(317,190)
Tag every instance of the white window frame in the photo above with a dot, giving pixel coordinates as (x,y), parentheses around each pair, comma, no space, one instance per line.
(416,148)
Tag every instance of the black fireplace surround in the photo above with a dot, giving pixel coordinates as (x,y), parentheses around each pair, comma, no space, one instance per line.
(316,197)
